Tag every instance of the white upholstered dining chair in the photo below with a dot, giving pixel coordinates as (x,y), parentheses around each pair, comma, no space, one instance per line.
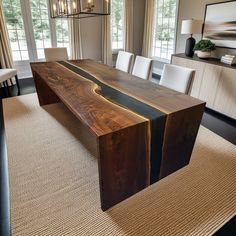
(142,67)
(124,61)
(56,54)
(177,78)
(6,74)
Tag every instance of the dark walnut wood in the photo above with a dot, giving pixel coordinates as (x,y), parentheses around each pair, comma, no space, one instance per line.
(128,116)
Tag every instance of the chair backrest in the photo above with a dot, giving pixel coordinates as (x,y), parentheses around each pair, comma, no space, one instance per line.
(55,54)
(142,67)
(177,78)
(124,61)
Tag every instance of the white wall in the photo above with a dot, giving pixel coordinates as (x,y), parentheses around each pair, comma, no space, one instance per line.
(195,9)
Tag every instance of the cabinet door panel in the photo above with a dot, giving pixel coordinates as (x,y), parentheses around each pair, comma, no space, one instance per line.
(214,84)
(225,101)
(210,83)
(199,68)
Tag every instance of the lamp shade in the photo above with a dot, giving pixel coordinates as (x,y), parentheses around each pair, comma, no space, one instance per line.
(191,27)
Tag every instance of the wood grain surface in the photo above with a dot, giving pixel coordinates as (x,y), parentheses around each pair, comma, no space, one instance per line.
(144,131)
(159,97)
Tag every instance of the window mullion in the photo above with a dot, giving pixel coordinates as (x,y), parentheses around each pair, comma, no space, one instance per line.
(29,34)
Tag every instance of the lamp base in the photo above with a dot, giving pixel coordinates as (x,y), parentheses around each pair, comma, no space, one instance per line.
(190,43)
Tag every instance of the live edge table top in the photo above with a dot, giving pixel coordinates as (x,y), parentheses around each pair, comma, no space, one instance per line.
(101,115)
(134,120)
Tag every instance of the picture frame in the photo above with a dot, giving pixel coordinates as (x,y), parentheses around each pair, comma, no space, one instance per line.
(220,24)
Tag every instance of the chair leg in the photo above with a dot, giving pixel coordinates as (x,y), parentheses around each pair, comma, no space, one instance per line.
(18,85)
(6,89)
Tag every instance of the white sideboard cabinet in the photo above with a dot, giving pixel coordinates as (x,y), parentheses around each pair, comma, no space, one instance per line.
(214,82)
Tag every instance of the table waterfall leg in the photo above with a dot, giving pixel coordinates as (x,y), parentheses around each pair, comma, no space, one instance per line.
(124,164)
(180,135)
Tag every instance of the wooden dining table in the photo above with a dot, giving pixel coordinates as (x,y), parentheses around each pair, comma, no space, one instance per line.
(144,131)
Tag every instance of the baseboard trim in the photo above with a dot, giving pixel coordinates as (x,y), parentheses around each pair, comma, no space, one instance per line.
(221,116)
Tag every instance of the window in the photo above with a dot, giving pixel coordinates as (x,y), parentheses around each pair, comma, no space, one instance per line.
(16,30)
(31,30)
(62,33)
(164,31)
(41,27)
(117,13)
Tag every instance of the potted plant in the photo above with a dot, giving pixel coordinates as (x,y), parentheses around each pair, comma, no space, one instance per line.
(204,48)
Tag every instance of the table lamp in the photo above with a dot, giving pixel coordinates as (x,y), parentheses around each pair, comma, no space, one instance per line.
(191,27)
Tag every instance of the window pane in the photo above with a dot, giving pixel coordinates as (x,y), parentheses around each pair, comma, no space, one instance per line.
(39,40)
(22,44)
(164,35)
(44,13)
(40,53)
(24,55)
(15,46)
(16,55)
(117,12)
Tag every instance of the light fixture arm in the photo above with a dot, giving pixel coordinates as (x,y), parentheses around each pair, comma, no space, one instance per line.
(79,8)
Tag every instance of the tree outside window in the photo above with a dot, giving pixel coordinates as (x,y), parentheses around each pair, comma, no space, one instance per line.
(117,13)
(164,32)
(16,31)
(46,32)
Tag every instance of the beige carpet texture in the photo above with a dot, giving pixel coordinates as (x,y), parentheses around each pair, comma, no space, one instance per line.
(54,186)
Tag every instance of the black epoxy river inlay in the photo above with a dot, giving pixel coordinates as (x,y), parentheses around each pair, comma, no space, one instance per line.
(157,118)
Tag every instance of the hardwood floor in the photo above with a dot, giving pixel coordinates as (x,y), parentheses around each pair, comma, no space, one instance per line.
(219,124)
(26,87)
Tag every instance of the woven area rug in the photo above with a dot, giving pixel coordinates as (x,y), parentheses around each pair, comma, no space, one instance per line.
(54,181)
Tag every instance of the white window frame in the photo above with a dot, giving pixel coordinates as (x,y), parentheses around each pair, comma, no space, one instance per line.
(30,39)
(165,60)
(116,50)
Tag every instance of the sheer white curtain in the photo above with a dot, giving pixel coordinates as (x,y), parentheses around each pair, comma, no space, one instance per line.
(148,28)
(75,39)
(128,26)
(6,60)
(107,43)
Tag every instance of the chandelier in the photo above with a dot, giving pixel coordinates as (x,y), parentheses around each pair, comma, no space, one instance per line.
(79,8)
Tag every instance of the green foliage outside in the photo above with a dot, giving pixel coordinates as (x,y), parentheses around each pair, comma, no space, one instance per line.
(117,16)
(40,20)
(165,27)
(13,19)
(39,11)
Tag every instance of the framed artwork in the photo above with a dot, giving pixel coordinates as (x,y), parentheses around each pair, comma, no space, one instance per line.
(220,24)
